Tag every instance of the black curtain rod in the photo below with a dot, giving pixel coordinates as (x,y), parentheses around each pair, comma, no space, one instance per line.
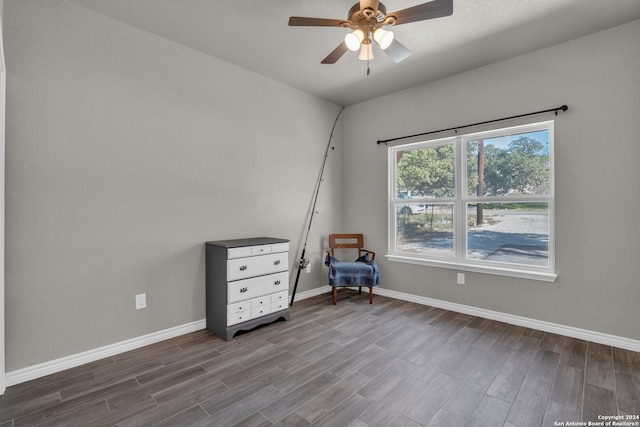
(555,110)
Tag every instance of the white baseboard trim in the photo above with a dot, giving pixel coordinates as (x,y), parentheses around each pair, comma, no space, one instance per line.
(57,365)
(47,368)
(312,293)
(569,331)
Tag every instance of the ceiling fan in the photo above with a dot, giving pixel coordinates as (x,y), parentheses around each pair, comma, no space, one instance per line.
(366,20)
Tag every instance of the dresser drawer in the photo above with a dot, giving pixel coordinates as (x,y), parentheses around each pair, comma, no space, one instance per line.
(247,251)
(260,311)
(280,297)
(257,265)
(280,247)
(234,318)
(260,250)
(255,287)
(240,252)
(261,302)
(238,307)
(277,306)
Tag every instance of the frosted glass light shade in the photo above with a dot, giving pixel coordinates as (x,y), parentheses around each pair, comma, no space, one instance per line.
(366,52)
(383,38)
(353,40)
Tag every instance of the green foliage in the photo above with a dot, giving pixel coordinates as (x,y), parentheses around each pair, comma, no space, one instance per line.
(521,168)
(427,172)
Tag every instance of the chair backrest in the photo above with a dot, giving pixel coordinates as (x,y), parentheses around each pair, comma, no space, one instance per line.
(346,241)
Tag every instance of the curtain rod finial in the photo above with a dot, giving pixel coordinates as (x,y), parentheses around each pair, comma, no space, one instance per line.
(563,108)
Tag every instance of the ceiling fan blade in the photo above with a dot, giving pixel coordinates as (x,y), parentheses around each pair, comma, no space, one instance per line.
(336,54)
(397,52)
(372,4)
(299,21)
(433,9)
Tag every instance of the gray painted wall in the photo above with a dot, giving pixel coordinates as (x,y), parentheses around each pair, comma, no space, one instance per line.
(597,157)
(125,152)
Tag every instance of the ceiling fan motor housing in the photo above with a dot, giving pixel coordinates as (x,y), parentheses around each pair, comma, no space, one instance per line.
(355,14)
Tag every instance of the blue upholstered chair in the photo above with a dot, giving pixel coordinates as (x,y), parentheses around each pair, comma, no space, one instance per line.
(361,272)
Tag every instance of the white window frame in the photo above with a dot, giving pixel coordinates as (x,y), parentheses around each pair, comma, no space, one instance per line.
(461,199)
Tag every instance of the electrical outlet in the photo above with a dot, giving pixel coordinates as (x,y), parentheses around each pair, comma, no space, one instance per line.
(460,278)
(141,301)
(309,267)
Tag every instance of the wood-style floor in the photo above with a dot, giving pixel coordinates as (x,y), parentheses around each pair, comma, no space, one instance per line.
(354,364)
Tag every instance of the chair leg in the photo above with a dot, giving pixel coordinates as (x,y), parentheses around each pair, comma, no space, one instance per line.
(335,295)
(370,294)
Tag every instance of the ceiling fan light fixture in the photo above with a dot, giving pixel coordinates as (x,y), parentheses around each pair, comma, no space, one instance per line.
(366,19)
(366,52)
(353,40)
(383,38)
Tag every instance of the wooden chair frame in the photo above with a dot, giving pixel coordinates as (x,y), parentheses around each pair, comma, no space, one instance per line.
(349,241)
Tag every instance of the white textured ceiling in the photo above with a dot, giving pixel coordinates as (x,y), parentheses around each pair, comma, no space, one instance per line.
(254,35)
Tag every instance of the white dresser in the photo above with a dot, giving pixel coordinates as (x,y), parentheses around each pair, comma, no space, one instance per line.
(247,284)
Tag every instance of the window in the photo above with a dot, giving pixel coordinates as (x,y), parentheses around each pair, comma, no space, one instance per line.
(478,202)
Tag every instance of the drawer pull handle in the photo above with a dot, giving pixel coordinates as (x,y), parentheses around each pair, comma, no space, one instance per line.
(276,262)
(243,267)
(243,289)
(277,282)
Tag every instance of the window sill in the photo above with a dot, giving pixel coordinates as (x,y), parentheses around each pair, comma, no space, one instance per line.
(498,271)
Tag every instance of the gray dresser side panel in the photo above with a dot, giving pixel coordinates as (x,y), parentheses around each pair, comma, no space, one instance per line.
(216,289)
